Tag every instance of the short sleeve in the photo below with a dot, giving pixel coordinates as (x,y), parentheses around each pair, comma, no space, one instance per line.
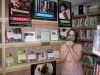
(63,47)
(79,47)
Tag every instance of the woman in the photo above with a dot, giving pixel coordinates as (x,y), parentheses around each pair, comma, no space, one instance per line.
(70,56)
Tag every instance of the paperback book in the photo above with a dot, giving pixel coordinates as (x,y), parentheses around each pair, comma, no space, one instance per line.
(41,55)
(31,56)
(21,56)
(13,35)
(9,60)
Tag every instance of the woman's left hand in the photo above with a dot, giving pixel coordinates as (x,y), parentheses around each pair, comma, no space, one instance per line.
(71,45)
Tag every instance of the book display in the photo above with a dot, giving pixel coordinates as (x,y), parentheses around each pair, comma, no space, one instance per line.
(30,30)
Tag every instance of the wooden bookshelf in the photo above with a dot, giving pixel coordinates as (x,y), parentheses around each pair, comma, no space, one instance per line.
(26,44)
(40,22)
(85,40)
(1,70)
(86,14)
(89,66)
(84,27)
(0,20)
(88,53)
(24,66)
(0,45)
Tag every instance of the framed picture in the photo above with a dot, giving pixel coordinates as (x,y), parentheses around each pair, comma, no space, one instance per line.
(64,14)
(44,68)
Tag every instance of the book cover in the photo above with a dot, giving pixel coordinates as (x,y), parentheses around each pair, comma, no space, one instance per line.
(41,55)
(21,56)
(9,60)
(96,42)
(44,68)
(63,33)
(29,36)
(54,35)
(31,56)
(13,35)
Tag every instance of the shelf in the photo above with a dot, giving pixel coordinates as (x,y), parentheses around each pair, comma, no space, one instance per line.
(85,40)
(40,22)
(89,53)
(84,27)
(86,65)
(86,14)
(1,70)
(0,45)
(0,20)
(24,66)
(26,44)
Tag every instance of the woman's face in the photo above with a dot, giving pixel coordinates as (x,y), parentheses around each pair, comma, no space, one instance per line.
(62,8)
(71,34)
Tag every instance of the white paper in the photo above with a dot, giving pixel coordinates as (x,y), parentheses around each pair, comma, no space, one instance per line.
(31,56)
(8,60)
(22,56)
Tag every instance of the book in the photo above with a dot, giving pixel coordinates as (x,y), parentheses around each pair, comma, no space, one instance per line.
(96,42)
(63,33)
(21,56)
(9,60)
(31,56)
(41,55)
(54,35)
(29,36)
(13,35)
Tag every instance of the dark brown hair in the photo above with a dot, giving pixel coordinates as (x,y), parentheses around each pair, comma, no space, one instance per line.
(75,33)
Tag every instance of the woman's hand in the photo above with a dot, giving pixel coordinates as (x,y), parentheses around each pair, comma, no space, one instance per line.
(71,43)
(67,45)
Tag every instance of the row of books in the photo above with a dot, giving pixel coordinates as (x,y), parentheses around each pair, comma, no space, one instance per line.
(87,71)
(31,56)
(87,46)
(15,35)
(86,34)
(86,21)
(87,59)
(90,60)
(97,69)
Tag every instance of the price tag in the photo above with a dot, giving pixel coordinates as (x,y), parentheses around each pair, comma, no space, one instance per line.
(98,26)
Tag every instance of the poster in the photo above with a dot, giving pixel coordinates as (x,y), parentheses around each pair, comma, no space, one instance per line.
(64,14)
(19,13)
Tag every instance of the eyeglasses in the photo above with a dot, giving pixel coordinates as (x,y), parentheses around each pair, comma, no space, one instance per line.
(71,35)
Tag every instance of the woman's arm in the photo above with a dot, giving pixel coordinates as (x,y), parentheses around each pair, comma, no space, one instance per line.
(76,55)
(63,53)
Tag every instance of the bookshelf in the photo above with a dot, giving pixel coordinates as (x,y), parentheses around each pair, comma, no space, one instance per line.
(1,70)
(86,14)
(85,27)
(39,22)
(88,53)
(89,66)
(33,44)
(85,40)
(24,66)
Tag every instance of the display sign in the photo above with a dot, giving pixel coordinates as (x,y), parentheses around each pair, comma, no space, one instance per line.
(19,13)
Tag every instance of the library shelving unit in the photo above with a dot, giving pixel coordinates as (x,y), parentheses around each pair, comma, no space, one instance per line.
(86,28)
(4,46)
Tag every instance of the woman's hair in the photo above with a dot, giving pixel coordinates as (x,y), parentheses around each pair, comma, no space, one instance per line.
(75,33)
(63,4)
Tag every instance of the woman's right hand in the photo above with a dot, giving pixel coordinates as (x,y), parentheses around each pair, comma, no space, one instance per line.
(67,45)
